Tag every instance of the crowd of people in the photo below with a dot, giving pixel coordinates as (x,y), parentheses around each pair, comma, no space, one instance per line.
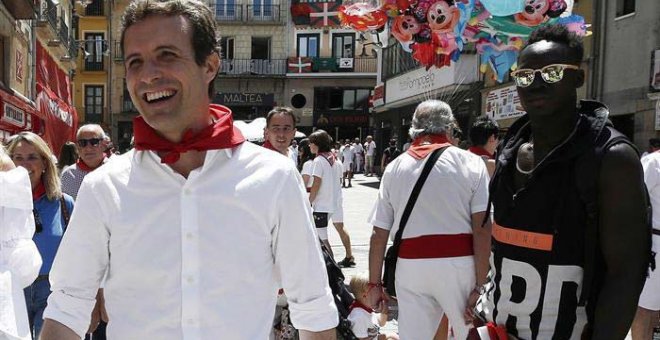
(542,233)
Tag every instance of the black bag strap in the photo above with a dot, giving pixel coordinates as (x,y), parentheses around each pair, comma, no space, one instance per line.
(413,196)
(65,212)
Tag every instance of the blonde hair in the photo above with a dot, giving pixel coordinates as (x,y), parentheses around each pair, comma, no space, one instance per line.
(359,284)
(50,177)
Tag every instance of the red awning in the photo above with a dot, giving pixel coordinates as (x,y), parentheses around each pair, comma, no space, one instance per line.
(15,113)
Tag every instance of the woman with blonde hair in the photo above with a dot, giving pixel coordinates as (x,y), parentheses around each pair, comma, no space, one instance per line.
(51,214)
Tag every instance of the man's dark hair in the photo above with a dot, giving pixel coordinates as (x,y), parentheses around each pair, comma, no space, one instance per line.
(481,130)
(280,110)
(654,143)
(559,34)
(199,16)
(322,140)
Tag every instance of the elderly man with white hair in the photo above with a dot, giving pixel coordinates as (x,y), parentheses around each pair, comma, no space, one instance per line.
(443,256)
(91,144)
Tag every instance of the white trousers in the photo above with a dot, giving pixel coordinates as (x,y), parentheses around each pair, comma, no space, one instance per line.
(429,288)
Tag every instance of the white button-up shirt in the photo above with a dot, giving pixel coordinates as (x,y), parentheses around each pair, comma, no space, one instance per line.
(195,258)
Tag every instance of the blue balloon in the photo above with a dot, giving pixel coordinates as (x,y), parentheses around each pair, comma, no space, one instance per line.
(501,8)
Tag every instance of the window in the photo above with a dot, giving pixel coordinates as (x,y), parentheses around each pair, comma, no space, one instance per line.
(227,46)
(263,9)
(93,103)
(343,45)
(624,7)
(225,10)
(94,9)
(95,47)
(127,103)
(336,99)
(308,45)
(260,48)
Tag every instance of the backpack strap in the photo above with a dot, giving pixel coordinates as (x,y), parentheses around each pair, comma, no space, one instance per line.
(65,213)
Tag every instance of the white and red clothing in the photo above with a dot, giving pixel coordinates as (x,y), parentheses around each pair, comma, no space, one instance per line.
(178,244)
(435,271)
(307,170)
(337,215)
(325,197)
(650,297)
(363,323)
(73,175)
(347,154)
(359,156)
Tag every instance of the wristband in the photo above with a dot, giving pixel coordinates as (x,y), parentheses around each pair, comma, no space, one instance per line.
(377,284)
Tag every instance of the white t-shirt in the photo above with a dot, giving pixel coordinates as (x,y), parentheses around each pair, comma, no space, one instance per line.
(348,154)
(338,168)
(19,258)
(651,166)
(166,234)
(371,148)
(307,170)
(358,149)
(325,197)
(456,188)
(363,324)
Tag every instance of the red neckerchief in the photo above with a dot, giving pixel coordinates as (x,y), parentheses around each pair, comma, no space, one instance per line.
(38,191)
(270,146)
(329,156)
(219,135)
(358,304)
(84,167)
(479,151)
(497,332)
(420,147)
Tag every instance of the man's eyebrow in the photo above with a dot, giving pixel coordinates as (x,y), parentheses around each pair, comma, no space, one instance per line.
(159,48)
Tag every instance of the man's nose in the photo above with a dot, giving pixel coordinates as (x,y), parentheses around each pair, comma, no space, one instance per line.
(151,72)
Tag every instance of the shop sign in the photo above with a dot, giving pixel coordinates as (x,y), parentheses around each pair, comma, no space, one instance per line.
(503,103)
(379,95)
(244,99)
(13,115)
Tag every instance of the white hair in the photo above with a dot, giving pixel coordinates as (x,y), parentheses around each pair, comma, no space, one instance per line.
(92,128)
(431,117)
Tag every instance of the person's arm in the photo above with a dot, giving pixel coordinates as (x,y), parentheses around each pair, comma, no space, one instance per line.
(624,240)
(314,190)
(329,334)
(305,178)
(481,244)
(53,330)
(377,245)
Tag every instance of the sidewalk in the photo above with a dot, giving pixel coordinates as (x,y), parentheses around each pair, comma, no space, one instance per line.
(358,203)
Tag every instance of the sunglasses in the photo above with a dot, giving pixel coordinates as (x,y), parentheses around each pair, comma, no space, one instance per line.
(550,74)
(92,141)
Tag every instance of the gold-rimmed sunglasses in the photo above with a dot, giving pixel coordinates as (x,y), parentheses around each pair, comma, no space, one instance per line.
(550,74)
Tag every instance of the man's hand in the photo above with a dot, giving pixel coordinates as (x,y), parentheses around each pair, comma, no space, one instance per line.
(98,313)
(469,308)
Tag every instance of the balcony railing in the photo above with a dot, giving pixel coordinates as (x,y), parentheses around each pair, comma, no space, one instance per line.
(274,67)
(94,9)
(263,13)
(229,13)
(73,47)
(93,65)
(118,54)
(48,13)
(63,33)
(359,65)
(397,61)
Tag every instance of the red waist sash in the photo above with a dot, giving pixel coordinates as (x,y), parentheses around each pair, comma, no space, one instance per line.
(436,246)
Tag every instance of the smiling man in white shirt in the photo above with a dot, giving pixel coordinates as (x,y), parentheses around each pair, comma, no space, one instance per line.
(173,222)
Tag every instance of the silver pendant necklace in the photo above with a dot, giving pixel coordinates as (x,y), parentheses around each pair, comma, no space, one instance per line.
(525,158)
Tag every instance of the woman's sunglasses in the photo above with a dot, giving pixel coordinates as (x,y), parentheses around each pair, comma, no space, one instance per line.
(550,74)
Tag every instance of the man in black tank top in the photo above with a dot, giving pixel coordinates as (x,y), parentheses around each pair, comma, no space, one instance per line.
(539,250)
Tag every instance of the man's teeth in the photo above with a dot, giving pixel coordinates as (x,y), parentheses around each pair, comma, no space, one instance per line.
(158,95)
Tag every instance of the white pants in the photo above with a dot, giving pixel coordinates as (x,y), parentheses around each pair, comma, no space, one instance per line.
(429,288)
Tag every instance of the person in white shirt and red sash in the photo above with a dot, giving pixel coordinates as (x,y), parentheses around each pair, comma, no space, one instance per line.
(443,257)
(174,221)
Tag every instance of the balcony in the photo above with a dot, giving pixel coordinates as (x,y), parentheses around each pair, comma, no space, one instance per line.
(20,9)
(397,61)
(47,20)
(118,55)
(263,13)
(127,105)
(94,9)
(254,14)
(229,13)
(334,65)
(258,67)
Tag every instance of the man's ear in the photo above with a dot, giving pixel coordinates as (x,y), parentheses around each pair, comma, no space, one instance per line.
(579,78)
(212,66)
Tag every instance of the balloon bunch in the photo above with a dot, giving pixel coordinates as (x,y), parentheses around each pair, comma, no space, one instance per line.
(436,31)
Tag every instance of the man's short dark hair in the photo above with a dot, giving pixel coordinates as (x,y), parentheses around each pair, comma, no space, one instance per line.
(199,16)
(559,34)
(654,143)
(284,110)
(322,140)
(481,130)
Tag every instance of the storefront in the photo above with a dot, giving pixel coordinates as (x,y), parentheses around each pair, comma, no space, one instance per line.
(15,115)
(246,105)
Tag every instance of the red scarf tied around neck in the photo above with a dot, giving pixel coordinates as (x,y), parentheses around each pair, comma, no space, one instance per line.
(84,167)
(424,145)
(220,135)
